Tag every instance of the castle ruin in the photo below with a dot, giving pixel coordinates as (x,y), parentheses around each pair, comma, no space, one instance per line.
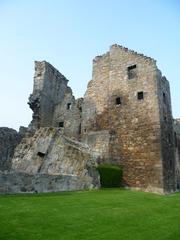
(125,118)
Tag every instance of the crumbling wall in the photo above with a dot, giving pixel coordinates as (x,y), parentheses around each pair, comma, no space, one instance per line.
(9,139)
(49,161)
(50,87)
(53,102)
(123,98)
(68,116)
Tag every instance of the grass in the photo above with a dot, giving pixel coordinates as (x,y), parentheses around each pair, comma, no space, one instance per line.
(95,215)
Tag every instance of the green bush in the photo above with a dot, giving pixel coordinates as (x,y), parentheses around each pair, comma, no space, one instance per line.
(110,175)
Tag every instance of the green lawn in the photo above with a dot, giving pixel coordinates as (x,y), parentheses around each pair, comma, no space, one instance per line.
(104,214)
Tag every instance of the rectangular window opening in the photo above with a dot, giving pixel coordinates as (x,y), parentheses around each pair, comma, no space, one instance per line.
(40,154)
(69,106)
(140,95)
(61,124)
(118,101)
(165,118)
(132,71)
(39,74)
(80,128)
(164,97)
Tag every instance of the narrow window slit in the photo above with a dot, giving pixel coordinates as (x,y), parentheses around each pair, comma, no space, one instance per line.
(140,95)
(132,71)
(61,124)
(69,106)
(80,128)
(164,97)
(118,101)
(40,154)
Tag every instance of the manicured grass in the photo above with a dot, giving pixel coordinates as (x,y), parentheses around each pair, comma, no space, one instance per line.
(95,215)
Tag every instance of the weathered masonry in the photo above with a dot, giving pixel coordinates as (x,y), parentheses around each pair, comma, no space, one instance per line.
(130,99)
(125,118)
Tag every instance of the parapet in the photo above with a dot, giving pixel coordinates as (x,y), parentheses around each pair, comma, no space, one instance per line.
(127,50)
(132,52)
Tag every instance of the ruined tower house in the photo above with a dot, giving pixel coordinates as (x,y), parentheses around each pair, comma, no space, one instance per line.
(125,118)
(130,99)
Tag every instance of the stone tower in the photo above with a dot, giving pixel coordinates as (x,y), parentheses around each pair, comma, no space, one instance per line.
(53,103)
(127,111)
(50,88)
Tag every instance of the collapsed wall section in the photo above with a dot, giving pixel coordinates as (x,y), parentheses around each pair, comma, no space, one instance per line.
(49,161)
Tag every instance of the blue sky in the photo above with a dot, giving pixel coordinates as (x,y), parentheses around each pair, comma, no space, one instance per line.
(69,34)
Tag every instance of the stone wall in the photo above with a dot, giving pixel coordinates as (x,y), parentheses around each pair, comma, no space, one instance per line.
(167,133)
(50,161)
(123,98)
(69,114)
(53,103)
(99,141)
(19,182)
(50,88)
(9,139)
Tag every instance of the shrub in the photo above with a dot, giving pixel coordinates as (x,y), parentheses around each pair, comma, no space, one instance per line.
(110,175)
